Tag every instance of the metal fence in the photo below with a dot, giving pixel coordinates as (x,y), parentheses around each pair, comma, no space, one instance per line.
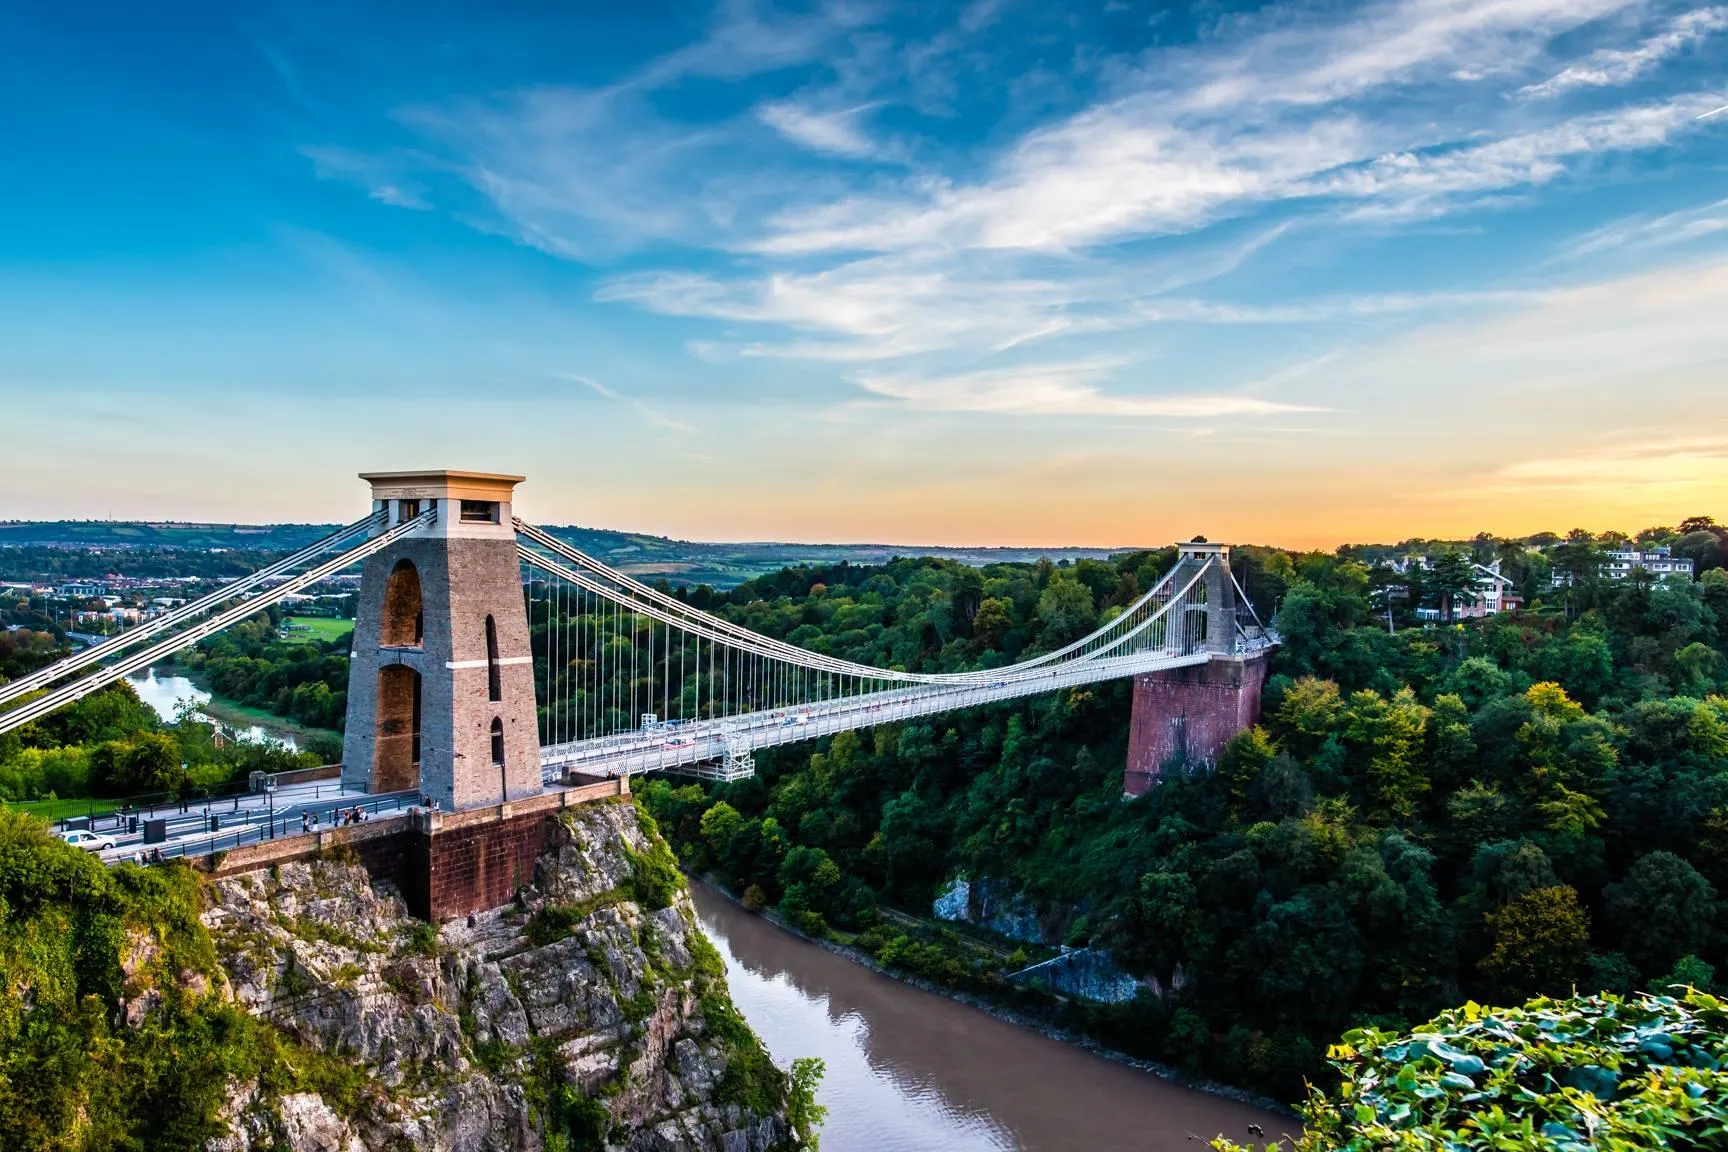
(300,820)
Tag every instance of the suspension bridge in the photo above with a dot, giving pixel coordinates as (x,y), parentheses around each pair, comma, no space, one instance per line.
(492,660)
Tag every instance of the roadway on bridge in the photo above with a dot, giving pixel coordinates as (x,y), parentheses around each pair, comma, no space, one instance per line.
(683,746)
(239,820)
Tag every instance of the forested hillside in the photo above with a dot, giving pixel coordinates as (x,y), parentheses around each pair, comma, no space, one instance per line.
(1488,810)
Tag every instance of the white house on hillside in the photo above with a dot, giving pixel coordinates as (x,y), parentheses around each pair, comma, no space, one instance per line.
(1495,593)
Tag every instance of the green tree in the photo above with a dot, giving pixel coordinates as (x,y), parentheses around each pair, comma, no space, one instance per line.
(1704,547)
(1697,669)
(1241,761)
(803,1114)
(722,830)
(1066,610)
(994,618)
(907,843)
(1662,909)
(1689,971)
(1450,580)
(1310,710)
(1539,943)
(1393,736)
(1164,925)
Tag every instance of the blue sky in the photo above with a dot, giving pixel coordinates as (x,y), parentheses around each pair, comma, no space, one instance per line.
(1002,272)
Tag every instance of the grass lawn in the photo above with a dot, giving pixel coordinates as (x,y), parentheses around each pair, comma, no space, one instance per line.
(316,628)
(52,810)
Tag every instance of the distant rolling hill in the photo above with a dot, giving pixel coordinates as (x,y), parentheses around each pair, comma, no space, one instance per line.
(645,557)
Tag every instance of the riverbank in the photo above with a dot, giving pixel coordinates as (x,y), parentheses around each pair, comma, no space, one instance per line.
(1003,1013)
(241,716)
(236,715)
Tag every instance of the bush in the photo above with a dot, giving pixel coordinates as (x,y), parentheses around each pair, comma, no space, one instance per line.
(654,877)
(1592,1072)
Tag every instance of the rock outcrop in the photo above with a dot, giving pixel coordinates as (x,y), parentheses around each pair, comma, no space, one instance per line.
(989,904)
(584,1016)
(1085,973)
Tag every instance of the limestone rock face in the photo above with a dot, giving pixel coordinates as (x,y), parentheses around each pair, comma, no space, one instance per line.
(575,1013)
(989,904)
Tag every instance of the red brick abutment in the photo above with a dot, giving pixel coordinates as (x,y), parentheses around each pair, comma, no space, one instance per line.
(445,864)
(1185,716)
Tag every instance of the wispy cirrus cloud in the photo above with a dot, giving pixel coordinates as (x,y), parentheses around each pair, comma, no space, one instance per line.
(1284,56)
(1440,179)
(1066,388)
(386,180)
(649,413)
(1644,231)
(1325,309)
(907,304)
(1612,66)
(837,133)
(874,309)
(1113,174)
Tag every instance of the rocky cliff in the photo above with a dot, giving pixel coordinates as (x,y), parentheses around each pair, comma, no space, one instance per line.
(590,1014)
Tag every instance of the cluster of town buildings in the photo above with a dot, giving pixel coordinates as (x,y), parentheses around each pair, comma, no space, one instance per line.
(1496,593)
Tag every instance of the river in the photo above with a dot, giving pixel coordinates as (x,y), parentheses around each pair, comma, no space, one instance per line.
(910,1071)
(164,693)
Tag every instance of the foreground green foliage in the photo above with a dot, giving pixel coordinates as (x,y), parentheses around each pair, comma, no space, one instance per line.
(803,1114)
(1587,1074)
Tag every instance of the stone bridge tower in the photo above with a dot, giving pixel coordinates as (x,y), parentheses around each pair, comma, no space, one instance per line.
(441,685)
(1187,715)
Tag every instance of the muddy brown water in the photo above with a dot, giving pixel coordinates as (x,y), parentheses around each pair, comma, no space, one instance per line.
(910,1071)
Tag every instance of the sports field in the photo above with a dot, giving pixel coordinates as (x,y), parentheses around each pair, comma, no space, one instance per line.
(305,628)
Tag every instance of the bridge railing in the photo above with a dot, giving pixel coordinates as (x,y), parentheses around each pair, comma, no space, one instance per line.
(264,825)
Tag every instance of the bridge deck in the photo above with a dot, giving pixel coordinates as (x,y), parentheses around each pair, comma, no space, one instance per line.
(691,743)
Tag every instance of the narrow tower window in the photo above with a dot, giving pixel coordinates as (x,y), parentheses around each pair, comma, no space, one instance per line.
(497,741)
(494,676)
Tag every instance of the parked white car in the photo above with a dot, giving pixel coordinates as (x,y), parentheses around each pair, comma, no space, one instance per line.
(79,838)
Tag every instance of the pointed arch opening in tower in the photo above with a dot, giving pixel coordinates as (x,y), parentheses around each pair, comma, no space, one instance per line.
(396,747)
(404,617)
